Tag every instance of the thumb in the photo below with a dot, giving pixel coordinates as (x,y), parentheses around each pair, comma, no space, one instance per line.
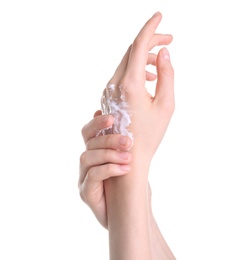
(164,93)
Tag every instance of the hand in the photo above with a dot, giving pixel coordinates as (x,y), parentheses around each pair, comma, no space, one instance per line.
(150,115)
(105,156)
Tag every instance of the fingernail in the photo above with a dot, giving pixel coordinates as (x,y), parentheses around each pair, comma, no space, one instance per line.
(157,13)
(124,168)
(165,54)
(123,140)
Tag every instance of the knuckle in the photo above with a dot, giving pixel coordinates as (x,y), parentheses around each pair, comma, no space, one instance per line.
(85,191)
(137,43)
(83,158)
(92,173)
(85,197)
(109,140)
(83,194)
(168,71)
(109,170)
(88,144)
(106,156)
(129,80)
(83,130)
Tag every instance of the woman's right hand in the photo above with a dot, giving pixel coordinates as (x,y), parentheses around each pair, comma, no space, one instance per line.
(105,156)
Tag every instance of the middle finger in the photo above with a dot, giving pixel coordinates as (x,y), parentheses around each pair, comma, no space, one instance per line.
(112,141)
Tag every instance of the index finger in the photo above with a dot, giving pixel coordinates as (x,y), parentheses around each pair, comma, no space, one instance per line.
(98,123)
(140,47)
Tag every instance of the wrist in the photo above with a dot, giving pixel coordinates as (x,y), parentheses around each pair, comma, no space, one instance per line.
(141,158)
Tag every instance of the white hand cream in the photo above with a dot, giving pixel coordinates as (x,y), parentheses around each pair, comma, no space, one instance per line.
(113,102)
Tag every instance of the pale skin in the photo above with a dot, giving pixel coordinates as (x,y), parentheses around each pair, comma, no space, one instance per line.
(113,179)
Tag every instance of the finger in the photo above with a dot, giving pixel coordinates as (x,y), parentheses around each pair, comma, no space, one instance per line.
(165,84)
(93,158)
(103,172)
(95,177)
(150,76)
(160,39)
(96,157)
(113,141)
(97,113)
(152,57)
(97,124)
(151,61)
(140,46)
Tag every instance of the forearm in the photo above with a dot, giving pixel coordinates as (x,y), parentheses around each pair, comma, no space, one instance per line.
(133,230)
(128,214)
(160,248)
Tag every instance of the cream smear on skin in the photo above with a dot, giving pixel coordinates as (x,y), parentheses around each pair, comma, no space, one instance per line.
(113,102)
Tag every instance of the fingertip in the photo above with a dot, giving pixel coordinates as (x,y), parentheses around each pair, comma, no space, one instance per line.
(106,118)
(97,113)
(157,14)
(165,54)
(164,66)
(150,76)
(170,36)
(165,84)
(157,17)
(125,142)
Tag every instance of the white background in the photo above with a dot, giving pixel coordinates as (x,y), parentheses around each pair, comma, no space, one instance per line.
(55,59)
